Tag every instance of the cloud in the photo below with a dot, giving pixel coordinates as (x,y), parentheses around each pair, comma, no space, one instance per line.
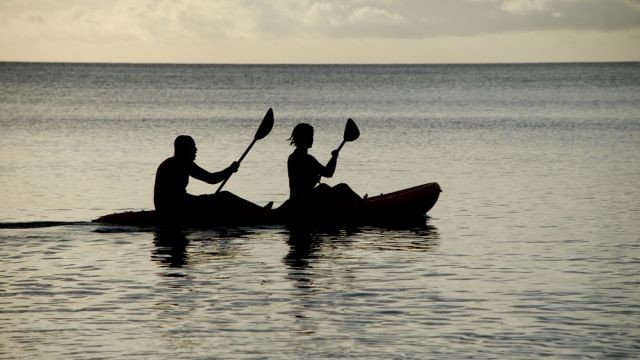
(524,7)
(374,16)
(206,28)
(633,3)
(434,18)
(164,20)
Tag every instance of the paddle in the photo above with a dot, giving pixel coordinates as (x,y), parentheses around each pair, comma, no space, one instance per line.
(265,128)
(351,133)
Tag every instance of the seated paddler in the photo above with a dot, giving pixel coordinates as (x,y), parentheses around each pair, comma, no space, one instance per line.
(305,172)
(172,177)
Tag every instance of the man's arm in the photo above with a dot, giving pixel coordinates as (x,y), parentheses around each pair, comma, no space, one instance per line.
(212,178)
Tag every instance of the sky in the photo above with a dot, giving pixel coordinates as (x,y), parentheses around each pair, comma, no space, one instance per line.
(319,31)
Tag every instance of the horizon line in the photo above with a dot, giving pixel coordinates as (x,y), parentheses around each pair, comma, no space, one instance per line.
(314,64)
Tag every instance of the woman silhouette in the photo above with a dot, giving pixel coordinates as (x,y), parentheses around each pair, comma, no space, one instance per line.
(305,172)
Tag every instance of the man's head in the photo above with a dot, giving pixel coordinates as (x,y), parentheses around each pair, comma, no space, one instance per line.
(185,148)
(302,136)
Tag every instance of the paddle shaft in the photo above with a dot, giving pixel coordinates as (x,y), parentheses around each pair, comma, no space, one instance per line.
(239,161)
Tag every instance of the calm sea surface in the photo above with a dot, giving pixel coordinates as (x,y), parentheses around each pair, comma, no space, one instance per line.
(532,250)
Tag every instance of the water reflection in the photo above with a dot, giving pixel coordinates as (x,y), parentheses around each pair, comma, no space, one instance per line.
(305,244)
(178,247)
(421,238)
(329,266)
(170,247)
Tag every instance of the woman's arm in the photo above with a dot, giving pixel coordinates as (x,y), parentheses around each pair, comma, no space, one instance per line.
(329,169)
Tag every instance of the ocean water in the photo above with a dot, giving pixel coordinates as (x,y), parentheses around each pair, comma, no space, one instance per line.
(532,250)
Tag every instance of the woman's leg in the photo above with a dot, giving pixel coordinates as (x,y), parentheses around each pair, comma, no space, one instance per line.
(322,194)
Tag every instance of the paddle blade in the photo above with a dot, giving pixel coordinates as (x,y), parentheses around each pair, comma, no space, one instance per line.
(265,126)
(351,131)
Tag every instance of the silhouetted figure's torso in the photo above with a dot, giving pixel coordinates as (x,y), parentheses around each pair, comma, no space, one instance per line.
(304,173)
(172,178)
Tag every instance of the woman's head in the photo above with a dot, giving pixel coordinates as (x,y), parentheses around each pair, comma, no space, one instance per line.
(302,136)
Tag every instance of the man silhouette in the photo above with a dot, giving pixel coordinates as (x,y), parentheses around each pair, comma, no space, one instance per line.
(172,177)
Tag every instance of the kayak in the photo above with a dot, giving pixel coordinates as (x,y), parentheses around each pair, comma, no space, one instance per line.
(403,206)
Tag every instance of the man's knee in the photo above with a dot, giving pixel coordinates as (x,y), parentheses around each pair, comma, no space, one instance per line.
(222,195)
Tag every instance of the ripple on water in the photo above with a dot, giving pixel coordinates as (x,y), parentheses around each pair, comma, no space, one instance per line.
(354,291)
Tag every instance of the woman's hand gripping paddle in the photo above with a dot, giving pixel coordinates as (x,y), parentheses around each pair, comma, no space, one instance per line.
(265,128)
(351,133)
